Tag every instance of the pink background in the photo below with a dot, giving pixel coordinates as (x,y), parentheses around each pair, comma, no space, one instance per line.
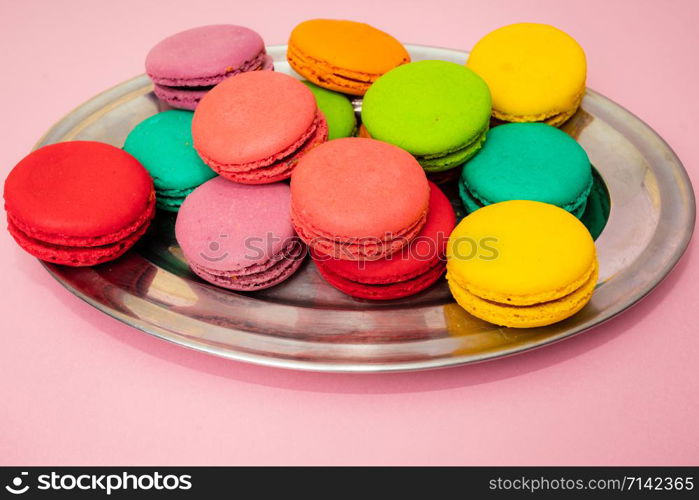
(77,387)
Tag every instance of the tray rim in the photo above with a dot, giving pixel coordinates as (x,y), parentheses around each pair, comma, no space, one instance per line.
(90,106)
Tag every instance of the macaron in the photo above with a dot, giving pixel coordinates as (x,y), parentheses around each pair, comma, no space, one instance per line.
(186,65)
(239,236)
(528,161)
(163,144)
(521,264)
(254,128)
(78,203)
(337,109)
(345,56)
(414,268)
(438,111)
(358,199)
(536,73)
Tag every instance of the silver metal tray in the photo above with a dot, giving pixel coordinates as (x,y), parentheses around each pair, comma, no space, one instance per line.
(305,324)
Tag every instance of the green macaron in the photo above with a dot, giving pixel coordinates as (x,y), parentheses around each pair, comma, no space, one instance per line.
(436,110)
(528,161)
(337,109)
(163,144)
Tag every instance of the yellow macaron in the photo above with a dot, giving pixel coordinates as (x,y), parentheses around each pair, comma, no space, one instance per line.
(536,73)
(521,264)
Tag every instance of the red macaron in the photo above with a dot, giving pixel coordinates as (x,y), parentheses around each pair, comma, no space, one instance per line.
(414,268)
(253,128)
(78,203)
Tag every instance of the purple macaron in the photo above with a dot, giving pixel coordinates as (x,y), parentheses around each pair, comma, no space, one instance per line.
(239,236)
(186,65)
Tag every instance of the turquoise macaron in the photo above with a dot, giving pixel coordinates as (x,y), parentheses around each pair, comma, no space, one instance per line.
(528,161)
(438,111)
(163,145)
(337,109)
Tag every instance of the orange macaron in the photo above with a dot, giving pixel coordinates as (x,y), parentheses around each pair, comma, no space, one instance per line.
(344,56)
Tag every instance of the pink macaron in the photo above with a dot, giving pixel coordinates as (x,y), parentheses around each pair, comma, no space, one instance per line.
(254,128)
(186,65)
(239,236)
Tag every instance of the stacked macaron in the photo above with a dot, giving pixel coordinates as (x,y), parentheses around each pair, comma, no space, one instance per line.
(292,177)
(382,238)
(413,268)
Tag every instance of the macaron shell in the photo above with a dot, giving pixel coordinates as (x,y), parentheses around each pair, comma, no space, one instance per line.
(428,108)
(78,192)
(535,72)
(356,187)
(520,253)
(528,161)
(194,56)
(252,117)
(344,56)
(225,226)
(536,315)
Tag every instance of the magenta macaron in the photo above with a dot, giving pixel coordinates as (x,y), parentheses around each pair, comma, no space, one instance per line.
(186,65)
(239,236)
